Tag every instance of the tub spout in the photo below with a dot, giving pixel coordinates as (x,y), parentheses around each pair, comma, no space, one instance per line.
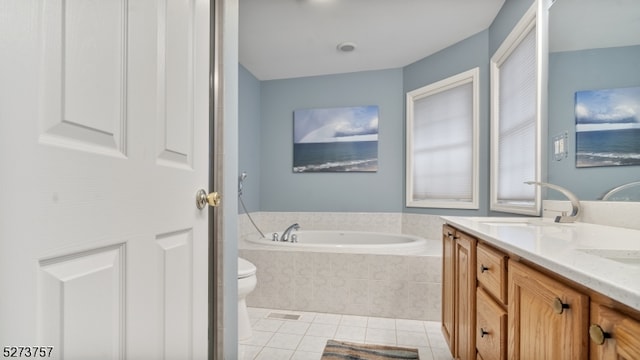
(286,233)
(575,203)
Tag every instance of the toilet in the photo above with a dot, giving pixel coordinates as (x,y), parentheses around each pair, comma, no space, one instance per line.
(246,283)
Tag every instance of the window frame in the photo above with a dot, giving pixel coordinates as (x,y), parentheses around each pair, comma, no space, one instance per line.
(470,76)
(534,19)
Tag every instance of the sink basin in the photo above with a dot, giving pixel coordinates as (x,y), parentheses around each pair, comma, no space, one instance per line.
(629,257)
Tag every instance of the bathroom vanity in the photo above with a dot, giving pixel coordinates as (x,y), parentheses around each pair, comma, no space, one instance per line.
(529,288)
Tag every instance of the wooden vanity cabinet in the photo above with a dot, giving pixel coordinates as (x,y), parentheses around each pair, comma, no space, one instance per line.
(547,319)
(459,292)
(496,305)
(614,336)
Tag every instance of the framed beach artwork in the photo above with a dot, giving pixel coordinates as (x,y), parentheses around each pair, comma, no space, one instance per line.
(343,139)
(608,127)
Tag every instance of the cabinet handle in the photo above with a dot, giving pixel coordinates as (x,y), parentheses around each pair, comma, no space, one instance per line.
(598,336)
(483,268)
(483,332)
(559,306)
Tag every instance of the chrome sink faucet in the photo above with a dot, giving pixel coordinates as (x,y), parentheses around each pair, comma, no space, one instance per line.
(286,233)
(575,203)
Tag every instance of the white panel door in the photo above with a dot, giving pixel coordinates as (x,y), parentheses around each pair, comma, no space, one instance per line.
(103,145)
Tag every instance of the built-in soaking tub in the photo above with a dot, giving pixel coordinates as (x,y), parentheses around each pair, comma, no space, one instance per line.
(348,272)
(350,242)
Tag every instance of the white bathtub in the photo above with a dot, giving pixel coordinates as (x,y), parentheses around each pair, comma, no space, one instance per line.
(348,272)
(351,242)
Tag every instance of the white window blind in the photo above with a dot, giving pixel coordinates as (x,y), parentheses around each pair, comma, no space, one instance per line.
(517,123)
(443,146)
(516,117)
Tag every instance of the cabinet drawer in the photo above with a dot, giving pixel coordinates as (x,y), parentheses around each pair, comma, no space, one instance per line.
(492,271)
(491,328)
(621,340)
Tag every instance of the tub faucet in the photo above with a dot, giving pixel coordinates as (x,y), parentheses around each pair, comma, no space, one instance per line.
(285,234)
(575,203)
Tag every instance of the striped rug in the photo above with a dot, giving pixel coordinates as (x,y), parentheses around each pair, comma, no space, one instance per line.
(345,350)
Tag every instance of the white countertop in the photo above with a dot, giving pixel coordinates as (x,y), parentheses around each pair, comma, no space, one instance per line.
(603,258)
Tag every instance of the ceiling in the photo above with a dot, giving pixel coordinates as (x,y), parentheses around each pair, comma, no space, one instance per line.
(295,38)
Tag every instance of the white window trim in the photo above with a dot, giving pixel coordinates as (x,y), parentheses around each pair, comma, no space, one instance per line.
(471,76)
(534,17)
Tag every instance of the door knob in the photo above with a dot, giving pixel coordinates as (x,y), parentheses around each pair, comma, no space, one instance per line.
(559,306)
(202,199)
(598,336)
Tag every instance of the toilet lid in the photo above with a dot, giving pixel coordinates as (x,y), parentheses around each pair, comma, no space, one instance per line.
(245,268)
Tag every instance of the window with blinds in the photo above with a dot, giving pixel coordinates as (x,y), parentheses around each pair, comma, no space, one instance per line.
(515,149)
(442,143)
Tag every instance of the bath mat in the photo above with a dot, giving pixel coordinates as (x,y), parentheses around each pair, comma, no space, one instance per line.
(352,351)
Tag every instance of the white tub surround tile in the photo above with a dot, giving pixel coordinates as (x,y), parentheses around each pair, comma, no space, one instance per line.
(423,225)
(379,285)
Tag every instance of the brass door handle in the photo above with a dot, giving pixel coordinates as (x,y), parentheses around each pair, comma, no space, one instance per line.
(202,199)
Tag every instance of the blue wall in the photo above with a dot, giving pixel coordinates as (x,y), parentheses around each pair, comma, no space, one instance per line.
(283,190)
(509,15)
(249,137)
(587,70)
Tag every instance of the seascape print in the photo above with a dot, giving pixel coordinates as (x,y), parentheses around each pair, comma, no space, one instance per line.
(608,127)
(336,139)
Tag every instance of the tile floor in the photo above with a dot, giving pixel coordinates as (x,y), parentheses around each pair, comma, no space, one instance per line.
(305,338)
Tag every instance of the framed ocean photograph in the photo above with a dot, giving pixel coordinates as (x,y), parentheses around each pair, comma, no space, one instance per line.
(343,139)
(608,127)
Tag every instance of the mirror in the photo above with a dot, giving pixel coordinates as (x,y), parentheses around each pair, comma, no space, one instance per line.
(593,45)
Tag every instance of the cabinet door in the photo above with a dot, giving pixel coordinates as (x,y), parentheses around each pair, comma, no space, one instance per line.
(613,336)
(547,319)
(491,328)
(465,290)
(448,293)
